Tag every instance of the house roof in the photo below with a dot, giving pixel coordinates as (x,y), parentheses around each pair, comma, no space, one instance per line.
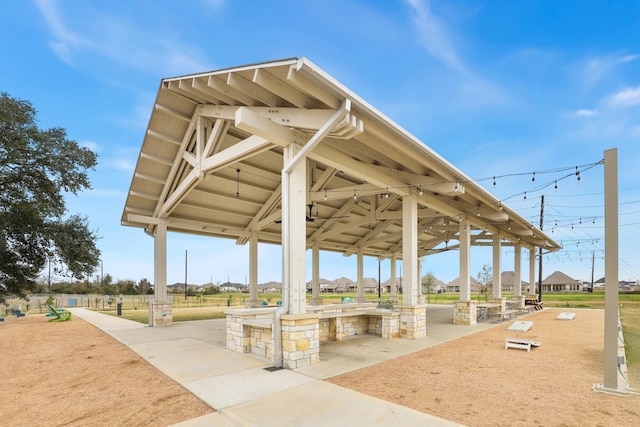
(508,278)
(212,157)
(559,278)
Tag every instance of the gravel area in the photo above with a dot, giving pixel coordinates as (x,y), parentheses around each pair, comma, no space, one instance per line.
(475,381)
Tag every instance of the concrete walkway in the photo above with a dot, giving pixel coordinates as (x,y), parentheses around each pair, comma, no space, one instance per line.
(244,393)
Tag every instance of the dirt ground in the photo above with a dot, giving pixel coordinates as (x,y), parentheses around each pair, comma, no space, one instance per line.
(476,382)
(71,373)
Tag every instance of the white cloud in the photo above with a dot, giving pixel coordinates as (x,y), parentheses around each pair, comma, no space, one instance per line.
(434,35)
(123,164)
(118,40)
(586,113)
(629,58)
(626,98)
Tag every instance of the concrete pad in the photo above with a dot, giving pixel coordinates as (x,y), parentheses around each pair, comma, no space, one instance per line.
(322,404)
(223,391)
(188,359)
(217,419)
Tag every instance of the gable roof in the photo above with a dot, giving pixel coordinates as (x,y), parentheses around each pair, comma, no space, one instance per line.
(559,278)
(212,156)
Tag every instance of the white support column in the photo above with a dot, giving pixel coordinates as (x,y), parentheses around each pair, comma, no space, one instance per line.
(160,263)
(420,293)
(315,273)
(294,221)
(160,308)
(410,249)
(465,260)
(253,269)
(360,280)
(497,268)
(532,271)
(517,269)
(393,278)
(611,332)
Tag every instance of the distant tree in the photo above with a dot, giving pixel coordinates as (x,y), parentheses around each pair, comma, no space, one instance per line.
(144,286)
(485,277)
(428,283)
(37,168)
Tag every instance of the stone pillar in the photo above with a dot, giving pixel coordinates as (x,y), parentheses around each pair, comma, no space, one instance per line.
(413,321)
(300,340)
(465,312)
(161,313)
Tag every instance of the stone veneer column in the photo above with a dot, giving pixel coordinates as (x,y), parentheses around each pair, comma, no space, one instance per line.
(465,313)
(300,340)
(413,321)
(503,305)
(161,313)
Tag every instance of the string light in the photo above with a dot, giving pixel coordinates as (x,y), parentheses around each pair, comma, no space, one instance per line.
(238,184)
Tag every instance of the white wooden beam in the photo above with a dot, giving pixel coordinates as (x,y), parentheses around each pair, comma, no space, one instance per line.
(163,137)
(277,86)
(242,150)
(251,122)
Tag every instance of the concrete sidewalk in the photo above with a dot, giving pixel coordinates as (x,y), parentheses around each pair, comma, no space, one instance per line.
(244,393)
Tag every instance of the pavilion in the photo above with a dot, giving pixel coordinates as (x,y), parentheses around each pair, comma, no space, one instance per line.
(280,152)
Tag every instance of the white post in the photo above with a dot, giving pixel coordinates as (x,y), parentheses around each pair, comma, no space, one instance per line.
(160,263)
(497,268)
(410,249)
(465,260)
(360,293)
(315,266)
(253,268)
(294,247)
(517,270)
(393,276)
(611,269)
(532,271)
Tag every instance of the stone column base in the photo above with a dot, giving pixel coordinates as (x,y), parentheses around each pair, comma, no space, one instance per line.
(161,314)
(300,340)
(413,321)
(465,313)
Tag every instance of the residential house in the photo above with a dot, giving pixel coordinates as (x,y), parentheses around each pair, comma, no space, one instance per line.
(507,279)
(454,285)
(560,282)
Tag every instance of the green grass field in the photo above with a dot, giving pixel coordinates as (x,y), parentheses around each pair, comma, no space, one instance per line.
(212,307)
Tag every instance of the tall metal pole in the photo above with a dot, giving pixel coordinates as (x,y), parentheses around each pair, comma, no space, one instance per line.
(540,251)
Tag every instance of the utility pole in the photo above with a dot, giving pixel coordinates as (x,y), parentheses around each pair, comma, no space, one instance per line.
(540,251)
(593,260)
(185,274)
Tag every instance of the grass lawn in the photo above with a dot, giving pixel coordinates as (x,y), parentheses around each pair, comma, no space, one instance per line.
(212,307)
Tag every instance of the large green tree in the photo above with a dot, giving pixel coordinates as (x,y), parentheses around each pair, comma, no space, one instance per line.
(37,168)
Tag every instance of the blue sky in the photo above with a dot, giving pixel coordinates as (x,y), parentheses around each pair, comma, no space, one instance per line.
(498,88)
